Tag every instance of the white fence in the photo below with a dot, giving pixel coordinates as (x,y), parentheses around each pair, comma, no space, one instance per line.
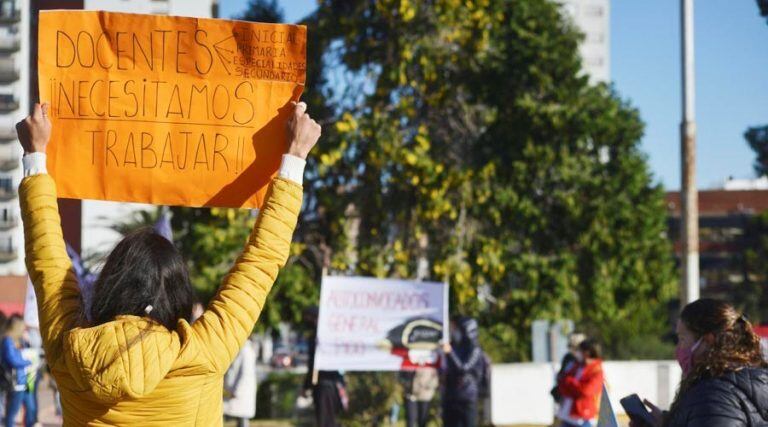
(520,391)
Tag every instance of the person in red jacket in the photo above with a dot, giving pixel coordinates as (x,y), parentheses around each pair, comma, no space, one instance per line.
(581,387)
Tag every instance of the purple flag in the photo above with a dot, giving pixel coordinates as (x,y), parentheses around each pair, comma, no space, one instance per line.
(163,225)
(85,280)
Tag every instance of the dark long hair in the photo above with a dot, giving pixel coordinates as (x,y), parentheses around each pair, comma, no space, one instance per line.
(591,349)
(144,269)
(735,346)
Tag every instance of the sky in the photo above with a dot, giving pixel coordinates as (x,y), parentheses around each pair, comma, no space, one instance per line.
(731,79)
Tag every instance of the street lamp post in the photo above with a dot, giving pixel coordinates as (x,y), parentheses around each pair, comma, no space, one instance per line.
(689,291)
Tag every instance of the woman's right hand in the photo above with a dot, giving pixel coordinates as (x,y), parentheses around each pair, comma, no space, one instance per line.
(656,413)
(34,132)
(303,132)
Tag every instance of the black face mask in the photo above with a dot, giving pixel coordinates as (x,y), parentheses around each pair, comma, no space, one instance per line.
(456,337)
(470,330)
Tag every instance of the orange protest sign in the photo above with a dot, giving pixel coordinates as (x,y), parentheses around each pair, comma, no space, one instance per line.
(167,110)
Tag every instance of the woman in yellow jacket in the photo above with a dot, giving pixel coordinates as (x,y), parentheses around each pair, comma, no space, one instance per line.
(139,362)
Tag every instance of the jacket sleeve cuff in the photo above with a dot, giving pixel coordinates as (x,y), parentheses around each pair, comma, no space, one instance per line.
(34,164)
(292,168)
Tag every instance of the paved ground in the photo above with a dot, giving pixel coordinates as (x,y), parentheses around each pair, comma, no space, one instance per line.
(48,417)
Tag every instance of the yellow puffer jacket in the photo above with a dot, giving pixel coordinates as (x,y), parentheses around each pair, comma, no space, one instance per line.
(132,372)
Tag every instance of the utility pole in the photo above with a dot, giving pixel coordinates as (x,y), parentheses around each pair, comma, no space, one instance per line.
(689,291)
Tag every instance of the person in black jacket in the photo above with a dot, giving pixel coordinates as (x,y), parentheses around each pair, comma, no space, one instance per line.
(327,388)
(725,380)
(466,375)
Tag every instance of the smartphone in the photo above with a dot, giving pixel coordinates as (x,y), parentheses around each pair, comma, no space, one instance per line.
(636,410)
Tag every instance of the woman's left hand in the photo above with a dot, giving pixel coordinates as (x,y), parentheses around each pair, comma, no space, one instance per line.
(34,132)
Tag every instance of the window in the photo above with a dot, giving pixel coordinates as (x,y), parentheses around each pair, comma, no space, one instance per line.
(594,11)
(8,9)
(593,61)
(6,244)
(595,38)
(6,185)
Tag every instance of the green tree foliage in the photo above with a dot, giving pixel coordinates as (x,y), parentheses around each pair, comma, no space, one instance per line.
(263,11)
(371,396)
(757,138)
(752,295)
(466,139)
(462,143)
(211,240)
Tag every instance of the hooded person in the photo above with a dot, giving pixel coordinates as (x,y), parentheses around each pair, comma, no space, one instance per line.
(466,374)
(327,388)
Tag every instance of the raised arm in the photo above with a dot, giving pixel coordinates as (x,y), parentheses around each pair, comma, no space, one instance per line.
(233,312)
(48,265)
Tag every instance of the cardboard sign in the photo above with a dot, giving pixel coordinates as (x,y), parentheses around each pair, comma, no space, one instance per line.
(369,324)
(167,110)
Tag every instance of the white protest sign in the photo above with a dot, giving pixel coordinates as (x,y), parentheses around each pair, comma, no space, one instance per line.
(368,324)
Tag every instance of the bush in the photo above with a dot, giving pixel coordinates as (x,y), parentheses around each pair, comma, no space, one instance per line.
(371,396)
(276,395)
(642,347)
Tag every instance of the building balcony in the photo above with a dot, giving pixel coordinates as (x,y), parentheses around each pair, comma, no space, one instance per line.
(8,103)
(10,16)
(7,193)
(7,165)
(7,255)
(8,75)
(9,44)
(7,135)
(10,223)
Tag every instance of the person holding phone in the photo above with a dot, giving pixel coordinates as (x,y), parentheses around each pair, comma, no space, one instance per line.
(581,386)
(725,380)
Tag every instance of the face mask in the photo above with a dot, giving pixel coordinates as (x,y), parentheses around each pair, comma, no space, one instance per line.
(456,337)
(579,356)
(684,357)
